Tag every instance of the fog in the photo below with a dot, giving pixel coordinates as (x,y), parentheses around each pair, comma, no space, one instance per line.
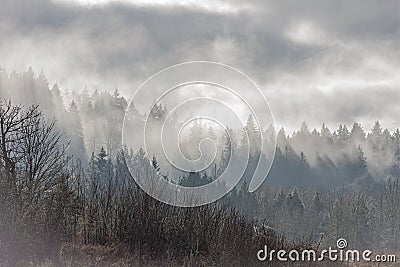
(311,67)
(305,93)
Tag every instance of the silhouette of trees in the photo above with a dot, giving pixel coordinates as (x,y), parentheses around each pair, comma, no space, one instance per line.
(341,183)
(34,195)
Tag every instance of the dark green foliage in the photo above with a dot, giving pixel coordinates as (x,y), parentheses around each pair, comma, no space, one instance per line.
(195,179)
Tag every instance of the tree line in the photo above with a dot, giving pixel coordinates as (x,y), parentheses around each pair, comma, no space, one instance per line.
(62,183)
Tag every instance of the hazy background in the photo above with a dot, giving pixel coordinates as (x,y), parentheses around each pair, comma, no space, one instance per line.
(334,62)
(331,61)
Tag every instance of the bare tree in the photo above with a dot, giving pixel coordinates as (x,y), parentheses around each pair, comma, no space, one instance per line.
(33,182)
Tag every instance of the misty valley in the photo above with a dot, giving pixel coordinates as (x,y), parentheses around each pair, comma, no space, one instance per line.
(68,197)
(176,133)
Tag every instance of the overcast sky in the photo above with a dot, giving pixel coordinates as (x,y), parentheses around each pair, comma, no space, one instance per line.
(332,61)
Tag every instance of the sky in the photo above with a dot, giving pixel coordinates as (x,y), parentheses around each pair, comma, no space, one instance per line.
(332,61)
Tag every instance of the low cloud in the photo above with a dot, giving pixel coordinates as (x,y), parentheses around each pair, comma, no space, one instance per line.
(335,62)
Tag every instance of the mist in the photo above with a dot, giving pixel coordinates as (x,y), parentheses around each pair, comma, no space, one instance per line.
(103,153)
(309,67)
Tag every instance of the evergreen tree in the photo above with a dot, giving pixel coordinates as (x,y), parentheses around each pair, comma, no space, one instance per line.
(304,128)
(396,151)
(360,167)
(158,113)
(377,129)
(325,132)
(155,164)
(75,131)
(294,203)
(119,103)
(318,205)
(122,172)
(357,133)
(92,170)
(286,152)
(103,165)
(361,224)
(342,134)
(251,138)
(226,154)
(194,179)
(303,158)
(280,200)
(281,139)
(56,92)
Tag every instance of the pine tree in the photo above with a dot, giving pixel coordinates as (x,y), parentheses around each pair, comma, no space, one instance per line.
(93,173)
(396,151)
(361,221)
(387,139)
(357,133)
(121,169)
(56,92)
(75,131)
(251,138)
(361,167)
(194,179)
(225,155)
(281,139)
(375,137)
(303,158)
(286,153)
(318,205)
(119,103)
(158,113)
(326,134)
(155,164)
(377,129)
(342,134)
(280,200)
(103,165)
(294,203)
(304,128)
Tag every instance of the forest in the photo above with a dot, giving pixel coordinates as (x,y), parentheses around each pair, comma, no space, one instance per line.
(68,197)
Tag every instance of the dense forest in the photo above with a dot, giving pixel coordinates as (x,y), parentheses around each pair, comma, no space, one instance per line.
(65,184)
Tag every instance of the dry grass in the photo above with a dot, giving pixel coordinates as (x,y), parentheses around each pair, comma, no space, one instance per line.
(75,255)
